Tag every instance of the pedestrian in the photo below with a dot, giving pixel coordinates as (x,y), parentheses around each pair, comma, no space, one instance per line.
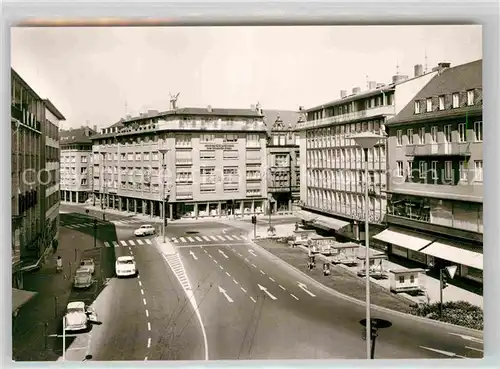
(59,264)
(55,243)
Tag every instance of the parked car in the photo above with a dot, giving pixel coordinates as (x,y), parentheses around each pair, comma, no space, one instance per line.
(88,264)
(125,266)
(83,278)
(144,230)
(78,316)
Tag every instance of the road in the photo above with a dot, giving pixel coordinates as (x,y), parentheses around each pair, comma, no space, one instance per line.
(282,315)
(143,318)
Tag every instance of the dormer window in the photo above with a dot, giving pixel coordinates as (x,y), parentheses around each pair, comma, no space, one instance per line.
(417,107)
(441,102)
(428,107)
(455,100)
(470,97)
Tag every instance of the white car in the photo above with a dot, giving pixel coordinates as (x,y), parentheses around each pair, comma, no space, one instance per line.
(144,230)
(88,264)
(125,266)
(78,316)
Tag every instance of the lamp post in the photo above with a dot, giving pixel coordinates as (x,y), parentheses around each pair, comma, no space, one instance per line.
(103,206)
(366,141)
(290,179)
(163,152)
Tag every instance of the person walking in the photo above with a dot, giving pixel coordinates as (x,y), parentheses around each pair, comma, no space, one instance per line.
(59,264)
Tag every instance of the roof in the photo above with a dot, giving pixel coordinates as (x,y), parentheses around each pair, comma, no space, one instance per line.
(117,124)
(214,112)
(124,258)
(456,79)
(73,136)
(76,305)
(53,109)
(287,117)
(26,85)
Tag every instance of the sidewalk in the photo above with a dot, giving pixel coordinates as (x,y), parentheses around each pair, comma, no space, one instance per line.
(431,285)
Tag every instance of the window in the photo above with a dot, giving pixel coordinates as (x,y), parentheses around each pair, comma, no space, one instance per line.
(253,174)
(434,134)
(422,169)
(401,279)
(281,160)
(400,169)
(183,175)
(146,156)
(230,137)
(297,140)
(137,156)
(253,192)
(409,133)
(207,189)
(448,170)
(434,168)
(428,105)
(207,175)
(463,171)
(253,140)
(130,156)
(421,135)
(462,133)
(412,278)
(417,107)
(207,137)
(470,97)
(230,154)
(155,156)
(441,102)
(276,140)
(83,182)
(123,156)
(409,168)
(399,135)
(84,159)
(478,171)
(231,175)
(282,140)
(207,154)
(478,131)
(447,133)
(183,140)
(455,100)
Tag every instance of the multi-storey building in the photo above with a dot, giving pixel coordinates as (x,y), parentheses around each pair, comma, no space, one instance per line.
(34,175)
(435,192)
(207,158)
(283,176)
(76,164)
(332,165)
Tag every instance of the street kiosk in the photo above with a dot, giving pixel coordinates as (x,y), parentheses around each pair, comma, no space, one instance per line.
(302,236)
(376,263)
(406,280)
(345,253)
(322,245)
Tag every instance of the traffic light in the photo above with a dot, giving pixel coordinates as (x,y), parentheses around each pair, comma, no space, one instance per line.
(254,219)
(444,280)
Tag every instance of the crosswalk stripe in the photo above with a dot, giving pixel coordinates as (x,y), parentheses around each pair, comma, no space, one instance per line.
(205,238)
(243,237)
(140,242)
(182,239)
(198,239)
(131,242)
(115,244)
(175,240)
(229,238)
(220,238)
(123,243)
(190,239)
(107,244)
(148,241)
(213,238)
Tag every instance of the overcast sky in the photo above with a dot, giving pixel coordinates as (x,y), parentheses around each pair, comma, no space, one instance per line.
(97,75)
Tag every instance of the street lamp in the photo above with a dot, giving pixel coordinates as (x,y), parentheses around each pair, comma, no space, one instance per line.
(103,205)
(163,165)
(366,141)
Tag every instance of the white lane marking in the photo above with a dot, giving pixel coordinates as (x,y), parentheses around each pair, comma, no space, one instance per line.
(190,239)
(239,254)
(221,238)
(149,326)
(235,281)
(142,291)
(131,253)
(213,238)
(244,290)
(243,237)
(115,244)
(210,256)
(198,239)
(182,239)
(146,358)
(447,353)
(252,252)
(262,288)
(206,252)
(144,301)
(175,240)
(220,266)
(303,287)
(255,266)
(229,275)
(295,297)
(131,242)
(129,248)
(140,283)
(148,241)
(251,298)
(272,279)
(215,261)
(123,243)
(223,291)
(193,255)
(262,272)
(223,254)
(147,313)
(107,244)
(473,348)
(140,242)
(467,338)
(149,342)
(283,288)
(205,238)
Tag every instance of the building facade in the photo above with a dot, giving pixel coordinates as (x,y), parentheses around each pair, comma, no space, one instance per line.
(332,165)
(283,176)
(34,158)
(202,161)
(76,164)
(435,192)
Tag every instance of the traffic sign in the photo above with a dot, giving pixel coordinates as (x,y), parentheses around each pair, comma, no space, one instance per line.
(452,269)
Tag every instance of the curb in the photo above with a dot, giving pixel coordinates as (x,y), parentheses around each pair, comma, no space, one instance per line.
(362,303)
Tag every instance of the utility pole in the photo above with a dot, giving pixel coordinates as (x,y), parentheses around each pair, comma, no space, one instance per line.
(164,215)
(103,206)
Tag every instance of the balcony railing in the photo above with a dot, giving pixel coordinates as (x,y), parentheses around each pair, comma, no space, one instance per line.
(186,161)
(25,117)
(439,149)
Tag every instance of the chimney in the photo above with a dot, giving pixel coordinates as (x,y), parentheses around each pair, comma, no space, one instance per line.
(372,85)
(209,108)
(399,78)
(356,90)
(380,85)
(343,93)
(128,117)
(441,67)
(95,128)
(419,70)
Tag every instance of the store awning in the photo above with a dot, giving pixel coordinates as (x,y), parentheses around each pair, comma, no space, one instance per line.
(306,215)
(455,254)
(330,224)
(20,297)
(403,238)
